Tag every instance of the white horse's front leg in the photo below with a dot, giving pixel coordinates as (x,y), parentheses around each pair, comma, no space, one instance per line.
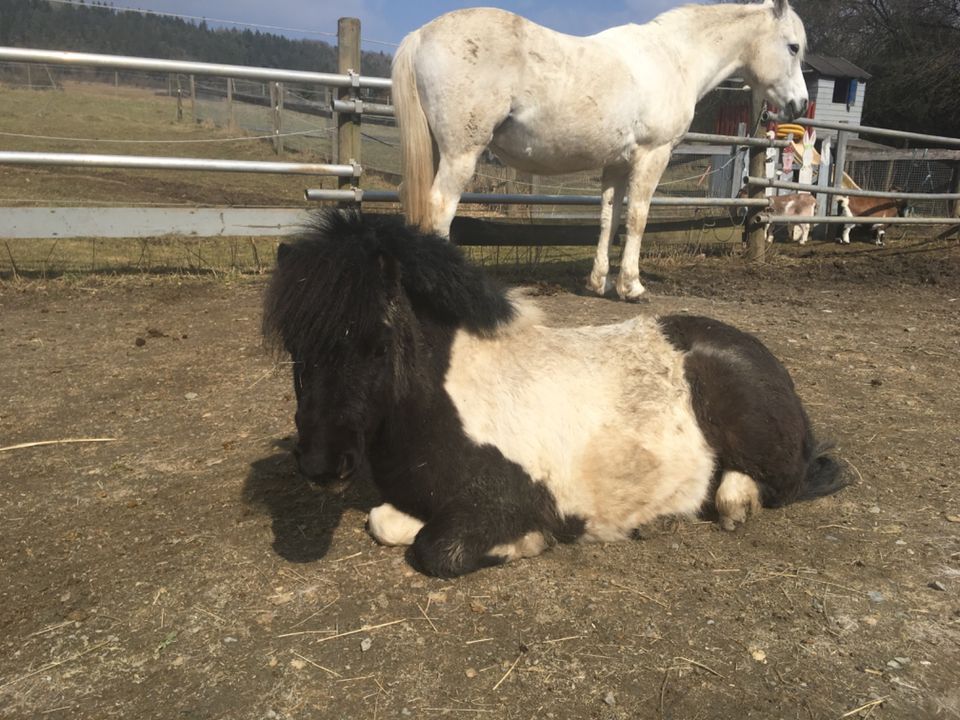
(648,166)
(614,183)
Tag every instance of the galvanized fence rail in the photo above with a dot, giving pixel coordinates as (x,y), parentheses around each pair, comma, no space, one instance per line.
(349,107)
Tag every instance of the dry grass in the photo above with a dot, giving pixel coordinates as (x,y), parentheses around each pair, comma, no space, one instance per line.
(127,120)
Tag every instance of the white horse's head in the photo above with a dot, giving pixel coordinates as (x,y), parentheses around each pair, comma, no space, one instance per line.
(774,63)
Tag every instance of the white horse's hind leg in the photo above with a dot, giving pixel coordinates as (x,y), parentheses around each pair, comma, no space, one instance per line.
(737,496)
(389,526)
(453,174)
(614,183)
(648,166)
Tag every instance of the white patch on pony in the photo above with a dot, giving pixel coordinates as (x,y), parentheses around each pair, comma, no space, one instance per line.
(530,545)
(737,496)
(602,416)
(389,526)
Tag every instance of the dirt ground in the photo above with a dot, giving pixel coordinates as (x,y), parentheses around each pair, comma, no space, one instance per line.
(182,571)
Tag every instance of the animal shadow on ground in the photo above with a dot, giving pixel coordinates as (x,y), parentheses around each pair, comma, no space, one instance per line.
(304,517)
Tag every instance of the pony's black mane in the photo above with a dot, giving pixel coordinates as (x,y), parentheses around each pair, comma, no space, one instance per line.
(343,271)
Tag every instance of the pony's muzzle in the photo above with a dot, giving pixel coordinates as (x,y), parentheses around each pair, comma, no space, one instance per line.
(326,465)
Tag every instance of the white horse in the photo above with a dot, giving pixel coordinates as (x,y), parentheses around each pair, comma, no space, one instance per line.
(550,103)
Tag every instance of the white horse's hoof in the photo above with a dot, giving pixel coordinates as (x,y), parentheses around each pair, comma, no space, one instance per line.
(630,291)
(599,284)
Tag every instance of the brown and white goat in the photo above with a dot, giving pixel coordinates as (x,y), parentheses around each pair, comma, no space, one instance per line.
(798,204)
(869,206)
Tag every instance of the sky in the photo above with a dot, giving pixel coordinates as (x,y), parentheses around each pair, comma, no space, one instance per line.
(387,21)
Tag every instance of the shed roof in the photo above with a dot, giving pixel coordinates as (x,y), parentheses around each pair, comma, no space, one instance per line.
(834,67)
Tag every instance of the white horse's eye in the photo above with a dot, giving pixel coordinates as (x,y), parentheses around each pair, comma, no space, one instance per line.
(794,48)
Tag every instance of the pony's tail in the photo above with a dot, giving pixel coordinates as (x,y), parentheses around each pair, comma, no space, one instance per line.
(416,144)
(824,475)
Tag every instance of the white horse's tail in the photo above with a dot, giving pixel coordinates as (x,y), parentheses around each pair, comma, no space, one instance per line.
(416,144)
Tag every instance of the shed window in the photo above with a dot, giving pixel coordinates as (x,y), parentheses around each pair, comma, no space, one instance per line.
(845,91)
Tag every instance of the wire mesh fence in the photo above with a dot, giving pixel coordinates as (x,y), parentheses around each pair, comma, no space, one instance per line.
(913,175)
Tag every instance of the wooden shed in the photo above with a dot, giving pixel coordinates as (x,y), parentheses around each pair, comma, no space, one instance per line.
(837,86)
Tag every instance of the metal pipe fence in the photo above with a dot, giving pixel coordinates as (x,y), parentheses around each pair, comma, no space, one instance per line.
(852,192)
(360,195)
(351,104)
(868,130)
(126,62)
(144,162)
(856,220)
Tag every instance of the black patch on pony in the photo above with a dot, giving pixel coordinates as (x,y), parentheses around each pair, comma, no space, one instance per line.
(327,304)
(336,276)
(749,412)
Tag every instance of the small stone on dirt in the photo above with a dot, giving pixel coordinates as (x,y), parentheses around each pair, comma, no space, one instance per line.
(875,596)
(366,644)
(470,673)
(140,342)
(191,396)
(937,585)
(609,699)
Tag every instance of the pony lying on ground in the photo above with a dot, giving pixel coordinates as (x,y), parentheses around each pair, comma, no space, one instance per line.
(551,103)
(491,436)
(868,206)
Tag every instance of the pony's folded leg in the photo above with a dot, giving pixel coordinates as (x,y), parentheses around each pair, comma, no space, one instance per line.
(389,526)
(737,496)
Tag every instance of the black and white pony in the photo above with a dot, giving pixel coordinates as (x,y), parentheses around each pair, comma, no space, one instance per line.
(491,436)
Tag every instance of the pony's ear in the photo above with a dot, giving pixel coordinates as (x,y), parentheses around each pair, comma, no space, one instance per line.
(282,251)
(780,8)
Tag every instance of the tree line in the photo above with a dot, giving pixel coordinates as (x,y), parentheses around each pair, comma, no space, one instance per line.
(910,47)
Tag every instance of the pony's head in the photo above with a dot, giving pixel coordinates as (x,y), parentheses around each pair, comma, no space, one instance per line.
(775,58)
(348,301)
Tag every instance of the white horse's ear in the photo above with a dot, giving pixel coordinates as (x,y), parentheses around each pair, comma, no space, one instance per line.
(780,8)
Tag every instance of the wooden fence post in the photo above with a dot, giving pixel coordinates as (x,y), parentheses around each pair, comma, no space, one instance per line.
(839,166)
(955,188)
(193,98)
(179,100)
(753,232)
(348,124)
(276,102)
(231,117)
